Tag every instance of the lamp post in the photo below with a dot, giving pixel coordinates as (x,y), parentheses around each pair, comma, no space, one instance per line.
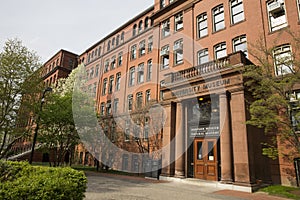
(48,89)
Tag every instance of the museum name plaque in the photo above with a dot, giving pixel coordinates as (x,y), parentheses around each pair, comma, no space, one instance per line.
(211,131)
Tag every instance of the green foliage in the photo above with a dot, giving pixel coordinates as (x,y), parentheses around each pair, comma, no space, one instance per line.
(35,182)
(271,108)
(282,191)
(19,83)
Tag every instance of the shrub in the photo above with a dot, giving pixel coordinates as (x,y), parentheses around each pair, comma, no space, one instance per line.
(23,181)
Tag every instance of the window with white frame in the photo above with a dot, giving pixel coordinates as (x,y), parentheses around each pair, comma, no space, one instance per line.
(165,27)
(150,44)
(237,11)
(203,56)
(129,102)
(142,47)
(106,66)
(162,3)
(218,18)
(104,86)
(116,105)
(140,26)
(108,107)
(148,96)
(131,76)
(113,63)
(298,5)
(202,25)
(120,58)
(178,21)
(139,99)
(149,70)
(220,50)
(164,53)
(283,60)
(133,52)
(118,81)
(140,73)
(178,52)
(110,85)
(277,14)
(102,109)
(240,44)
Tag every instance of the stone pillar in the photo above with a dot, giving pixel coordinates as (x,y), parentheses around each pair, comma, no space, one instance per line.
(242,174)
(225,140)
(180,142)
(166,153)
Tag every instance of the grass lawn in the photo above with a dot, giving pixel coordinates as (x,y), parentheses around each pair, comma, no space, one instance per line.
(282,191)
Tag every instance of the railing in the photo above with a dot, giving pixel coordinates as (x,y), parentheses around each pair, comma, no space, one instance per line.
(206,68)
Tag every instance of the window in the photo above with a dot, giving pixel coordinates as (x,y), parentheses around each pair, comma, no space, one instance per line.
(92,73)
(220,50)
(147,22)
(129,102)
(164,53)
(113,131)
(127,130)
(276,12)
(106,65)
(116,105)
(298,5)
(140,26)
(140,74)
(134,30)
(102,108)
(165,28)
(92,56)
(108,46)
(139,99)
(89,59)
(122,37)
(162,3)
(113,63)
(218,18)
(149,70)
(240,44)
(178,22)
(104,86)
(150,44)
(111,83)
(118,81)
(118,40)
(131,76)
(148,96)
(142,46)
(120,58)
(97,71)
(113,43)
(99,51)
(133,52)
(283,60)
(161,93)
(237,11)
(203,56)
(202,25)
(178,52)
(94,88)
(146,132)
(108,108)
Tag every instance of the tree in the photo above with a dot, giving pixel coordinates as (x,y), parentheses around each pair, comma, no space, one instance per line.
(57,129)
(275,108)
(19,83)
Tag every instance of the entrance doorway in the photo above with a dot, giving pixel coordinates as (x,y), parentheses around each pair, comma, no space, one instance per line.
(205,159)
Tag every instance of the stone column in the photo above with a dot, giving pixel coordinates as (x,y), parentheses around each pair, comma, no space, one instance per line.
(239,138)
(225,140)
(166,153)
(180,142)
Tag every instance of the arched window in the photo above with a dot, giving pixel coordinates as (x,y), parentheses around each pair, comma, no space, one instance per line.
(113,43)
(118,40)
(134,30)
(147,22)
(140,26)
(122,37)
(108,45)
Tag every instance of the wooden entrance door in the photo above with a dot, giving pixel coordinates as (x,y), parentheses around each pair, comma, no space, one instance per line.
(205,159)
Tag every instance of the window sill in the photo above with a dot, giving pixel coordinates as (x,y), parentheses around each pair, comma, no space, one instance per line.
(219,30)
(231,25)
(281,29)
(179,30)
(199,38)
(163,69)
(178,64)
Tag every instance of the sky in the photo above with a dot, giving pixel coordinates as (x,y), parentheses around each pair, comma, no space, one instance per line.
(46,26)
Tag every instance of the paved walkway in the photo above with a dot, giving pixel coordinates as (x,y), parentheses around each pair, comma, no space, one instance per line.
(115,187)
